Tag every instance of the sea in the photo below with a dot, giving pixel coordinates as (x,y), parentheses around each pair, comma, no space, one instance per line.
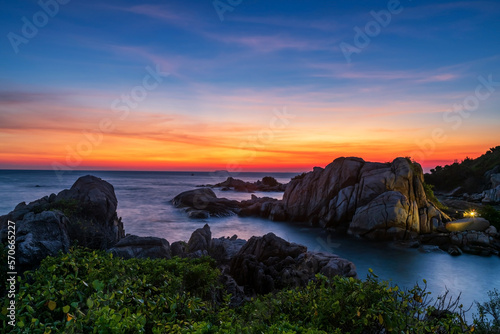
(144,203)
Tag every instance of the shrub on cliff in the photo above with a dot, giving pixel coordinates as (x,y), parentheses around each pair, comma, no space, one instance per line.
(491,214)
(469,174)
(429,193)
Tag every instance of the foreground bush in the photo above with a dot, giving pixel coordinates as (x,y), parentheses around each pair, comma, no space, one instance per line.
(92,292)
(490,214)
(488,320)
(347,305)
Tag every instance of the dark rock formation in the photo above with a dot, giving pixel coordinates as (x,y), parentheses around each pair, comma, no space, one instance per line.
(267,184)
(38,236)
(203,203)
(133,246)
(201,240)
(257,206)
(224,249)
(90,208)
(373,200)
(238,296)
(468,224)
(179,248)
(267,263)
(95,197)
(472,242)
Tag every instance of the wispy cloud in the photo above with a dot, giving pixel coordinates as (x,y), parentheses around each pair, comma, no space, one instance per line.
(271,43)
(167,13)
(349,72)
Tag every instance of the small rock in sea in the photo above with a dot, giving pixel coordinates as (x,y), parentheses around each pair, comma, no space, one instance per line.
(198,214)
(454,250)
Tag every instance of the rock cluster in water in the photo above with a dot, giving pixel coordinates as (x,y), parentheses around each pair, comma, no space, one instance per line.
(372,200)
(267,184)
(379,201)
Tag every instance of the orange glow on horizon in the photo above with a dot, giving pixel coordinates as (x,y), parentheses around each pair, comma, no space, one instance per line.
(172,141)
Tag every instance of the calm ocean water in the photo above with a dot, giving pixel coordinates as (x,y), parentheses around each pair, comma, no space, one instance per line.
(144,204)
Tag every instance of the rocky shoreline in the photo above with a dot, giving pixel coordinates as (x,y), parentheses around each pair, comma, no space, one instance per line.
(85,215)
(375,201)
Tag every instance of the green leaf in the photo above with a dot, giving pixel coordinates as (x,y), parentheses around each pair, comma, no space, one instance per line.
(98,285)
(90,303)
(52,305)
(65,309)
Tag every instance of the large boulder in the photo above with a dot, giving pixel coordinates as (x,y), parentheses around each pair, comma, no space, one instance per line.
(200,240)
(90,208)
(495,180)
(96,224)
(202,203)
(96,198)
(491,196)
(267,263)
(133,246)
(468,224)
(224,249)
(386,217)
(475,242)
(38,236)
(376,200)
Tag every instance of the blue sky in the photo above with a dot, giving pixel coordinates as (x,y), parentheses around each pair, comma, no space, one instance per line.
(227,76)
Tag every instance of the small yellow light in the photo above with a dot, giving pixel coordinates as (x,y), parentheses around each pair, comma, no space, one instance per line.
(471,213)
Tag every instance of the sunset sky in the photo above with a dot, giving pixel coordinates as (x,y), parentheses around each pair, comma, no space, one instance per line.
(246,85)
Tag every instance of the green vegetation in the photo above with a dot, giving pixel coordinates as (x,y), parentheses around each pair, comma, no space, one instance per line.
(469,174)
(347,305)
(92,292)
(491,214)
(68,207)
(488,320)
(429,193)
